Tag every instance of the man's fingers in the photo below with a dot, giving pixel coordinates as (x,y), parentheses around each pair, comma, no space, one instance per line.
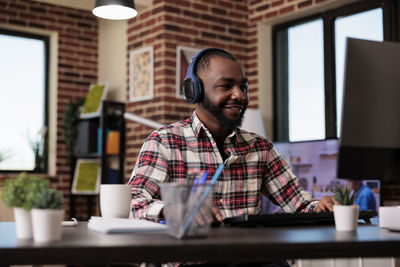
(217,214)
(326,203)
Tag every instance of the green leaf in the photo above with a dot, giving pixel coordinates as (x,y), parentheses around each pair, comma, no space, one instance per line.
(47,198)
(30,192)
(344,195)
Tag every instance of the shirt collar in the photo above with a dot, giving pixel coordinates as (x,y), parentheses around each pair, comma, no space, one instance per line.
(197,126)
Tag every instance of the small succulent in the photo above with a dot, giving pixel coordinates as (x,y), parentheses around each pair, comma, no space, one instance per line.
(344,194)
(47,198)
(41,196)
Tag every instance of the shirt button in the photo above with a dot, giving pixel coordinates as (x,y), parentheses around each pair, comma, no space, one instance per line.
(220,201)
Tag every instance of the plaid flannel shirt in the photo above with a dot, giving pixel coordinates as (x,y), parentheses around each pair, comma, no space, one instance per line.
(253,167)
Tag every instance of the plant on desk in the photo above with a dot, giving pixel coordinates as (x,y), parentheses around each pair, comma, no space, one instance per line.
(14,195)
(35,206)
(345,214)
(47,213)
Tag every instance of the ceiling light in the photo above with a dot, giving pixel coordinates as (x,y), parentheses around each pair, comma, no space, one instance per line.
(115,9)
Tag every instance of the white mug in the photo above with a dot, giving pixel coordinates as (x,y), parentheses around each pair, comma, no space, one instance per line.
(115,200)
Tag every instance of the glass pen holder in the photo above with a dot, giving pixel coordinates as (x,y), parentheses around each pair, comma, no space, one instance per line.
(187,209)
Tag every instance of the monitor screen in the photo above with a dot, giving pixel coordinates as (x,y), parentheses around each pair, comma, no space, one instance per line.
(369,145)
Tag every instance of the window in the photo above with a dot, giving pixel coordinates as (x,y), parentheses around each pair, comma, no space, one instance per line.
(309,59)
(23,101)
(306,81)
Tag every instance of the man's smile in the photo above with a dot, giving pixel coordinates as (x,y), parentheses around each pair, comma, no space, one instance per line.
(234,107)
(233,111)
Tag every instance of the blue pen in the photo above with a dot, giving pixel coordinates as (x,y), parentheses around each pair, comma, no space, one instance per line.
(204,177)
(196,181)
(208,189)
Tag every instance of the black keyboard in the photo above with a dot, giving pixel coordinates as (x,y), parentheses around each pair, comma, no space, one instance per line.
(283,219)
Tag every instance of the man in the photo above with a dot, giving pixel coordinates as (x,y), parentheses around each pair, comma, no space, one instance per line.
(365,197)
(217,84)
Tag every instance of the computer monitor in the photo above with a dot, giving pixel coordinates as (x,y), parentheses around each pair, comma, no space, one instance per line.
(369,145)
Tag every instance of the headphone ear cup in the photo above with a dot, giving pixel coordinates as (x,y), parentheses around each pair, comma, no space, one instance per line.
(193,89)
(189,90)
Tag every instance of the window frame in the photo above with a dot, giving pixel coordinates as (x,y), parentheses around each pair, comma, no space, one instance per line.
(391,21)
(46,41)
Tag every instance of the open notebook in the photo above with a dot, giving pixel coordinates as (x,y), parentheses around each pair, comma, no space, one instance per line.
(117,225)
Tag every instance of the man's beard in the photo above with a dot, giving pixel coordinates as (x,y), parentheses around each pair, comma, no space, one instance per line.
(217,112)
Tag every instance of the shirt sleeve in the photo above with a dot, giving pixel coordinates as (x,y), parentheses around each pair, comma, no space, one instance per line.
(282,187)
(151,168)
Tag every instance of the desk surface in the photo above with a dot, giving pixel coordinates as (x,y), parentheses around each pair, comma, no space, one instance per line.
(80,245)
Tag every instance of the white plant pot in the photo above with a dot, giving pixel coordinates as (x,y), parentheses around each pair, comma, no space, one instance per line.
(23,223)
(346,217)
(46,224)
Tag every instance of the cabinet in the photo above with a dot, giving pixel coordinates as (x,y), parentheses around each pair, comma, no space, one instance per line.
(101,137)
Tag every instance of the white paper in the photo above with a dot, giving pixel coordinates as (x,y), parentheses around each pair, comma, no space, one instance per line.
(117,225)
(389,217)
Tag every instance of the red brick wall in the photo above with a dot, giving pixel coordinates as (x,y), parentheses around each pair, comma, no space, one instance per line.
(77,61)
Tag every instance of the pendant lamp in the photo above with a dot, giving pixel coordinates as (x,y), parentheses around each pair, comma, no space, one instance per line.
(115,9)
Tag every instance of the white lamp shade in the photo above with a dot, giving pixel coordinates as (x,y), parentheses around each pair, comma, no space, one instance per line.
(252,122)
(115,9)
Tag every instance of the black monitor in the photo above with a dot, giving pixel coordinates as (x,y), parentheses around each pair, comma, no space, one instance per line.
(369,145)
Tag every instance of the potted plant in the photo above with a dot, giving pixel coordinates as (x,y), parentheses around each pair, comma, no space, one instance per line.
(39,149)
(47,214)
(70,120)
(345,214)
(14,195)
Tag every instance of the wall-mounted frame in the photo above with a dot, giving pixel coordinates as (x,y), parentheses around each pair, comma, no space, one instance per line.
(87,177)
(141,74)
(183,57)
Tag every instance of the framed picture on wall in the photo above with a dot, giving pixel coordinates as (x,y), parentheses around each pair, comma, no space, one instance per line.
(141,74)
(183,57)
(87,177)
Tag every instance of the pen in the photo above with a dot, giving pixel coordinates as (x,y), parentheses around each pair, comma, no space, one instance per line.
(196,181)
(204,177)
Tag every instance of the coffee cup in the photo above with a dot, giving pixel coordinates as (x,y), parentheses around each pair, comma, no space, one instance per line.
(115,200)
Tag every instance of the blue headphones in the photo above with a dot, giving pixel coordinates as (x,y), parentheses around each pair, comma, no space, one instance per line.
(192,85)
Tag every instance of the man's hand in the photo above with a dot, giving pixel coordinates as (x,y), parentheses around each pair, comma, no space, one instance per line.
(326,204)
(217,214)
